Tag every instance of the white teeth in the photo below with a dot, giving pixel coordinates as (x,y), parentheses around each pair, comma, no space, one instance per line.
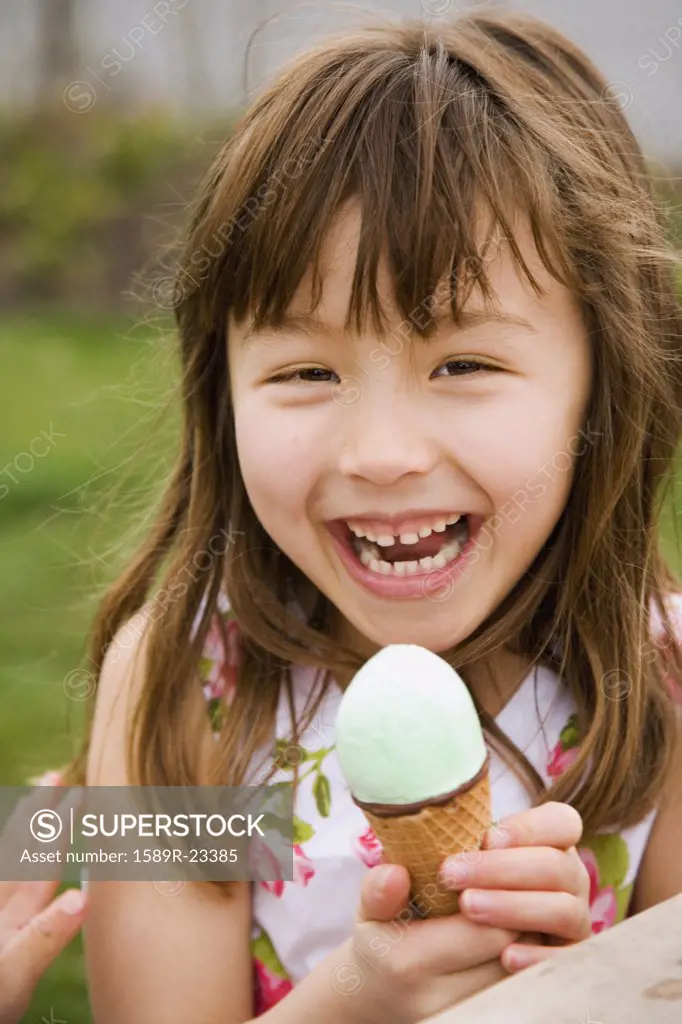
(368,548)
(428,564)
(385,540)
(449,552)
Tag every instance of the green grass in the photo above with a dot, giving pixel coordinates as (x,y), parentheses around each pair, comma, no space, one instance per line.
(65,527)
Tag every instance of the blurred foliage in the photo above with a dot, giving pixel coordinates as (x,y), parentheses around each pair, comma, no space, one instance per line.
(90,202)
(85,200)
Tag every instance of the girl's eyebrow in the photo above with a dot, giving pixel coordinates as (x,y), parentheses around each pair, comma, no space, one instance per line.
(304,323)
(477,317)
(290,323)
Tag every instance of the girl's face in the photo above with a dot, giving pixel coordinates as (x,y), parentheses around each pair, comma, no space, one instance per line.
(393,438)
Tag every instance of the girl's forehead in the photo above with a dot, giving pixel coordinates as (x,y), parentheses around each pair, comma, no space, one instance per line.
(322,298)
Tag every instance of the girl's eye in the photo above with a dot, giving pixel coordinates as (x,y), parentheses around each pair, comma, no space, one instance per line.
(463,367)
(316,374)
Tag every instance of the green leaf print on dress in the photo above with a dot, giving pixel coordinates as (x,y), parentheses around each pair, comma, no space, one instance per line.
(566,750)
(303,831)
(607,860)
(606,855)
(271,981)
(323,794)
(287,756)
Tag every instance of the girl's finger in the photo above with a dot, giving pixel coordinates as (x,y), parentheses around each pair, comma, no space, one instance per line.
(20,901)
(27,899)
(551,824)
(553,913)
(384,894)
(53,777)
(15,833)
(446,945)
(32,950)
(516,957)
(523,868)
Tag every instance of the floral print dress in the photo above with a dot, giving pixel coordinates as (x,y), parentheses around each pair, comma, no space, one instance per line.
(297,923)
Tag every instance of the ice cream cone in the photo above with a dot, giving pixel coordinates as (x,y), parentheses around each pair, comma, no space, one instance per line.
(412,751)
(421,840)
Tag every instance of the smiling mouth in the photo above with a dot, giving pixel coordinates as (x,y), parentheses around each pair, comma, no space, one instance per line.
(424,556)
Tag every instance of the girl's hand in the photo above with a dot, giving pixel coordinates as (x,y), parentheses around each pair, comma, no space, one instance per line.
(401,970)
(34,927)
(527,877)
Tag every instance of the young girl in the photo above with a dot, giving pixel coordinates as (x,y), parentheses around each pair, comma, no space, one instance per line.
(432,394)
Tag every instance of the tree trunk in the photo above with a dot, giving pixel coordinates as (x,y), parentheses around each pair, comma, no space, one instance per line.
(57,47)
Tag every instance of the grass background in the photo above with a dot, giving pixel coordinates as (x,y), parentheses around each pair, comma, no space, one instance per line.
(67,525)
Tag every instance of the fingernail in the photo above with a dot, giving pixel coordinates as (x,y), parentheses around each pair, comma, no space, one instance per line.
(454,871)
(497,837)
(382,874)
(477,902)
(49,779)
(72,901)
(516,959)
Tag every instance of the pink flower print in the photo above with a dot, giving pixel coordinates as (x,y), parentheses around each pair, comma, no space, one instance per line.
(269,987)
(276,887)
(222,660)
(603,904)
(303,867)
(561,760)
(262,862)
(233,644)
(566,751)
(368,848)
(664,641)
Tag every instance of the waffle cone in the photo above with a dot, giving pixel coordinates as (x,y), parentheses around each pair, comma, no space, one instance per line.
(421,841)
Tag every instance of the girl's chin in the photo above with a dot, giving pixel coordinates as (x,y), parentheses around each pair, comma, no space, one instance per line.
(435,644)
(397,624)
(369,637)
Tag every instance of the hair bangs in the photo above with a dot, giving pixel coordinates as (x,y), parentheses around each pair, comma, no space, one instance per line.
(441,172)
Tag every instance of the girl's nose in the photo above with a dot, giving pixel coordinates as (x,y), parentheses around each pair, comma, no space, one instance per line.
(383,441)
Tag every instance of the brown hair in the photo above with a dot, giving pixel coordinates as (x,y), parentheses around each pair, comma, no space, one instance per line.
(421,123)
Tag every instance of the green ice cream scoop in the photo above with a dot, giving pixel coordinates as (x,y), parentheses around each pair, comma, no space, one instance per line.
(407,729)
